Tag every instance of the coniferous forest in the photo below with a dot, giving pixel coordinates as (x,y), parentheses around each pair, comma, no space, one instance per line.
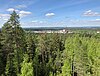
(23,53)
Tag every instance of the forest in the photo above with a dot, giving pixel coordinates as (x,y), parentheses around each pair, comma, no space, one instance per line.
(23,53)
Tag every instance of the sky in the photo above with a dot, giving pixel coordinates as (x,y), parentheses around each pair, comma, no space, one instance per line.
(52,13)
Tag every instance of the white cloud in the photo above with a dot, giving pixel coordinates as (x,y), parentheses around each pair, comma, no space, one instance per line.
(49,14)
(41,22)
(24,13)
(4,16)
(62,23)
(93,22)
(21,6)
(5,19)
(38,22)
(12,9)
(34,21)
(97,19)
(91,13)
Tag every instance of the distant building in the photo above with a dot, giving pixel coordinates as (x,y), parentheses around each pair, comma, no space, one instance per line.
(52,31)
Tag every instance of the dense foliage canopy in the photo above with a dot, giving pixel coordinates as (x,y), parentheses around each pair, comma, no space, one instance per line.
(24,53)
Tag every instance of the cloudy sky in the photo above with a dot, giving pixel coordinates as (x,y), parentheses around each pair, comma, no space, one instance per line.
(52,13)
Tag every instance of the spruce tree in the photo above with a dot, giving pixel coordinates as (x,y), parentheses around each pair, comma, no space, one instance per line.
(13,40)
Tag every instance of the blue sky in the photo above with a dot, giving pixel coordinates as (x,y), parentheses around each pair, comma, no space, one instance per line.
(52,13)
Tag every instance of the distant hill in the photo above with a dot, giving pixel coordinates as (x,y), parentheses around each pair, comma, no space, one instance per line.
(60,28)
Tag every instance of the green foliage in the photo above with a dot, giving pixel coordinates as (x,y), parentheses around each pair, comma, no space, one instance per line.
(66,69)
(10,69)
(13,40)
(31,45)
(80,54)
(27,68)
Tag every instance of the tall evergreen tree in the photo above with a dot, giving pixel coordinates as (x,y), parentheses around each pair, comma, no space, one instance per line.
(2,58)
(6,41)
(31,45)
(10,68)
(43,54)
(13,39)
